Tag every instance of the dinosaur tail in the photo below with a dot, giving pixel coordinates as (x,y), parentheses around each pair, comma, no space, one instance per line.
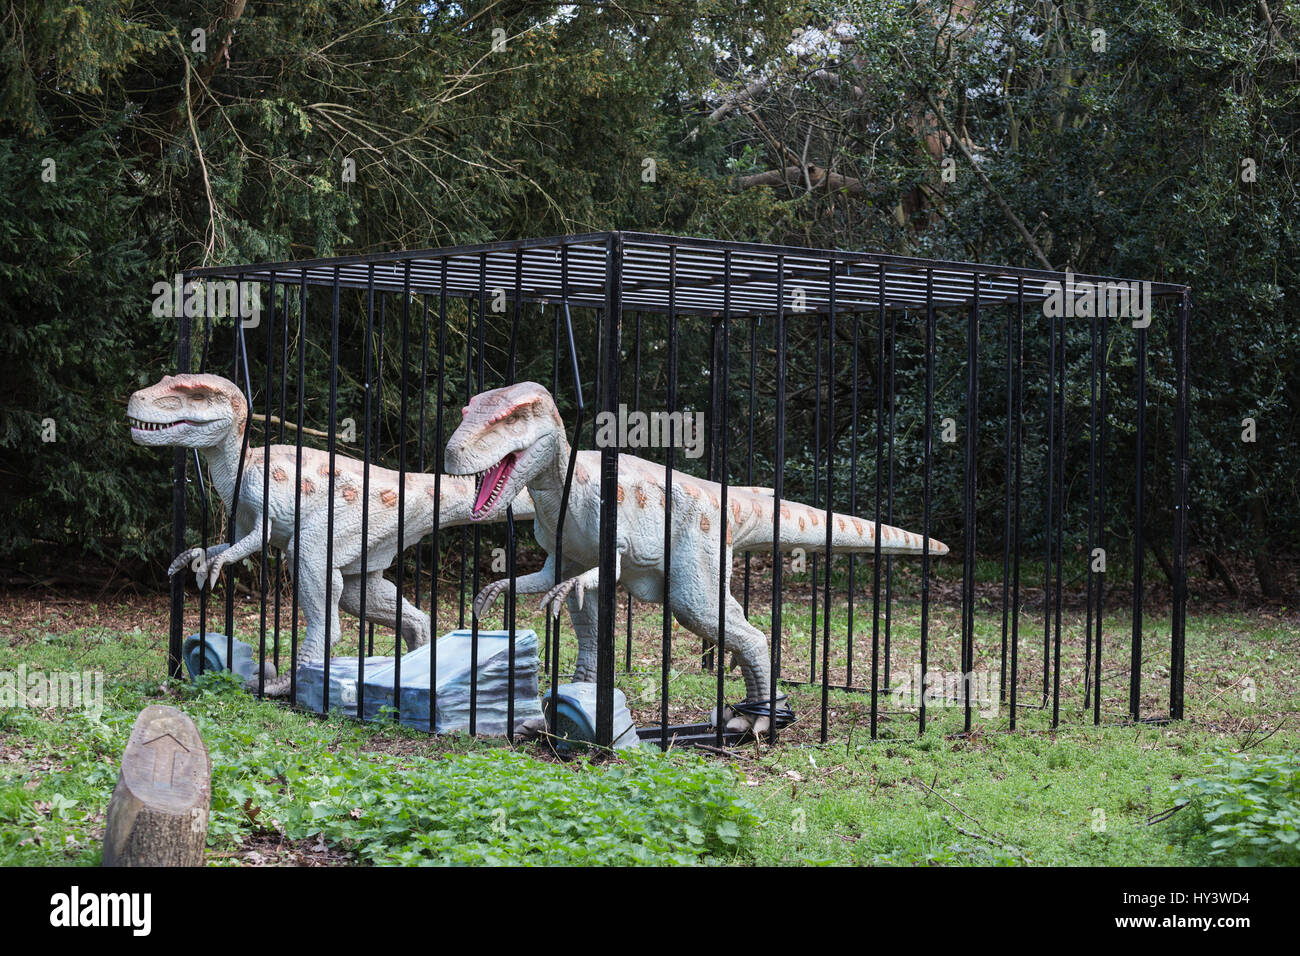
(803,526)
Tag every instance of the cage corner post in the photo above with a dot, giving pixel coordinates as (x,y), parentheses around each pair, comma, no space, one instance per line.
(1182,464)
(609,364)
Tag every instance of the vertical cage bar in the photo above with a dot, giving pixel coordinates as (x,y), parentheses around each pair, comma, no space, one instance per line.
(176,622)
(435,555)
(724,552)
(1178,650)
(367,411)
(1049,508)
(1092,511)
(329,514)
(853,493)
(1139,519)
(889,504)
(403,380)
(610,325)
(297,485)
(1060,528)
(831,267)
(926,468)
(972,435)
(636,406)
(1101,530)
(778,491)
(1019,441)
(749,464)
(666,638)
(816,502)
(284,403)
(265,564)
(880,464)
(421,436)
(478,530)
(1006,514)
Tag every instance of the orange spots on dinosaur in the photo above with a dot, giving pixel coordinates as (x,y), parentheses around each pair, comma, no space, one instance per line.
(620,494)
(843,526)
(641,498)
(308,487)
(704,522)
(692,490)
(713,500)
(388,496)
(350,493)
(785,510)
(816,519)
(279,474)
(580,475)
(758,508)
(735,510)
(801,522)
(857,526)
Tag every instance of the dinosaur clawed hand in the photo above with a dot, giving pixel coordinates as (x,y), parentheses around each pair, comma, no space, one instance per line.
(487,597)
(207,565)
(185,558)
(553,602)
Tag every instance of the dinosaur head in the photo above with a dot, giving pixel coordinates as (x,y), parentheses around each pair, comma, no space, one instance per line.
(194,411)
(508,436)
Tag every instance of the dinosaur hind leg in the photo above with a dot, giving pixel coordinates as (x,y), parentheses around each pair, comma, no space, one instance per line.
(747,643)
(315,605)
(585,626)
(381,607)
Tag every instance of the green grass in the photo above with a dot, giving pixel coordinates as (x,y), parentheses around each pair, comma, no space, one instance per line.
(1075,795)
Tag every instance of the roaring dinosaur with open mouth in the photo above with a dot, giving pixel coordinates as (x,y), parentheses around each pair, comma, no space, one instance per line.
(514,439)
(209,413)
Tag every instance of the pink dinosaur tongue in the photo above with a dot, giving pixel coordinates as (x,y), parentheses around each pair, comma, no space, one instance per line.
(493,482)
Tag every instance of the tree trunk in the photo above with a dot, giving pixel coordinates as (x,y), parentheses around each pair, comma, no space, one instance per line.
(1264,568)
(1220,570)
(159,812)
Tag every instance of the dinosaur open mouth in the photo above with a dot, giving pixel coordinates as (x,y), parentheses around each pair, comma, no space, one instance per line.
(494,481)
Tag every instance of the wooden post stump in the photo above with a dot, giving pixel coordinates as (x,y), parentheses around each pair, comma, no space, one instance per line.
(159,812)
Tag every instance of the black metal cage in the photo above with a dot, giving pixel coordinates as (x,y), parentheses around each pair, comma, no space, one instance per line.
(627,289)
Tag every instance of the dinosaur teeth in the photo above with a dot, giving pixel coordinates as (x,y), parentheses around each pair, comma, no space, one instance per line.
(140,425)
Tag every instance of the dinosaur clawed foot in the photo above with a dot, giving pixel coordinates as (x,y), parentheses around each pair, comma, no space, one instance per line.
(278,687)
(753,717)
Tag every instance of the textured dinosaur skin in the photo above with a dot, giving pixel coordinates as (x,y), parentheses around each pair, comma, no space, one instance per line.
(515,438)
(209,413)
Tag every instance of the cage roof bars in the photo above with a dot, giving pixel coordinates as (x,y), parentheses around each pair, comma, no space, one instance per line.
(700,280)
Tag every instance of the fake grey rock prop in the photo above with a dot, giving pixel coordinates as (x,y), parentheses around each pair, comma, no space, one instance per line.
(573,719)
(452,679)
(211,652)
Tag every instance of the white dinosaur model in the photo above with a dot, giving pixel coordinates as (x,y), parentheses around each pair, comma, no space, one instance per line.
(514,437)
(209,413)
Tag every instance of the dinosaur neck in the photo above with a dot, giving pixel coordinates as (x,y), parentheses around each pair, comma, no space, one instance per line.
(223,463)
(547,486)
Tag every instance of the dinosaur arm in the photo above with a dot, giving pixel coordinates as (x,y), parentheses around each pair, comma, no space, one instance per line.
(535,583)
(580,583)
(209,565)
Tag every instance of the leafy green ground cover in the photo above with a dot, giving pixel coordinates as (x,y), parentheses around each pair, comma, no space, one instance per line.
(290,787)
